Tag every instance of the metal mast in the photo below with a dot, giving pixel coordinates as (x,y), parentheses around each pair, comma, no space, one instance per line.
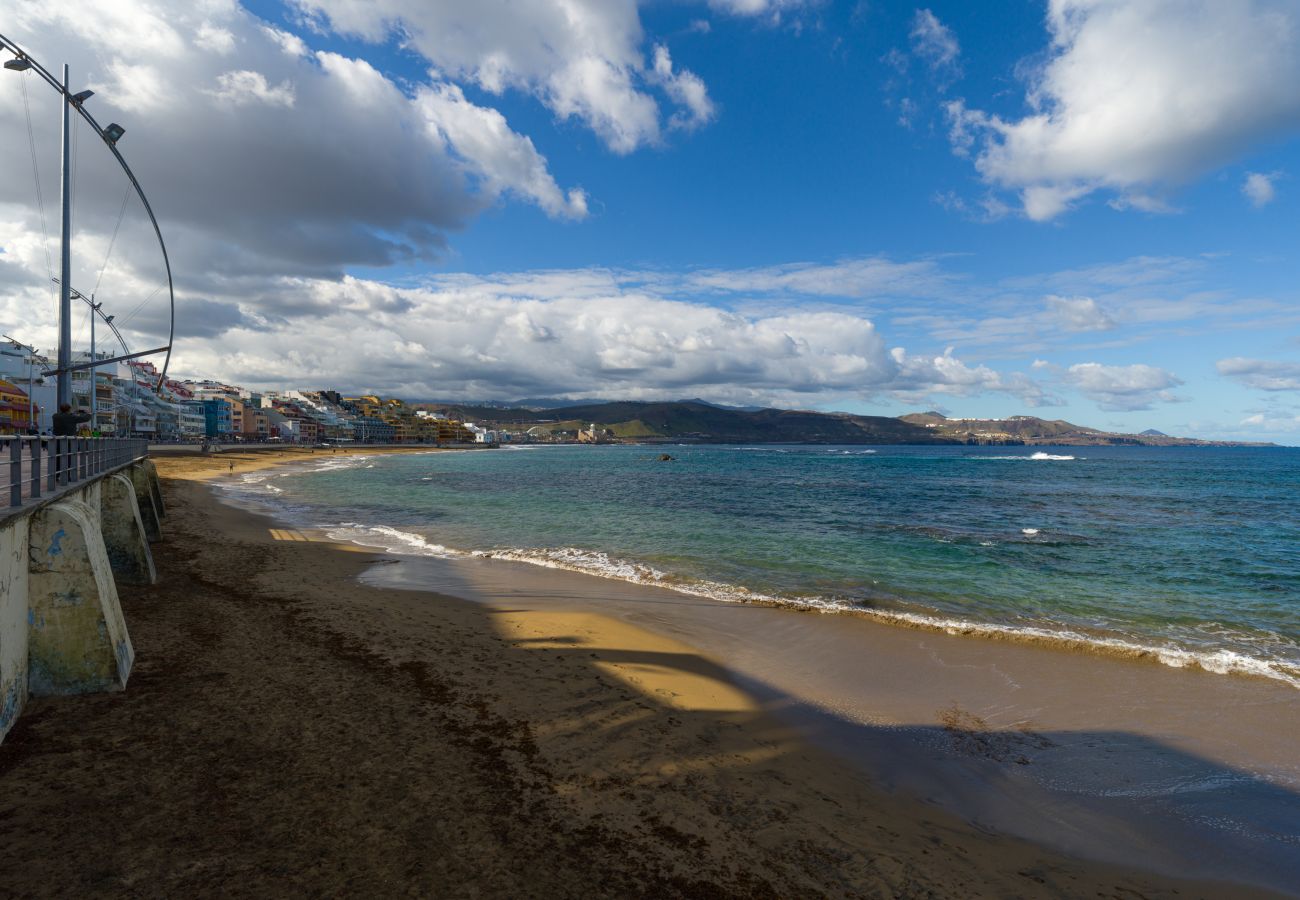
(65,262)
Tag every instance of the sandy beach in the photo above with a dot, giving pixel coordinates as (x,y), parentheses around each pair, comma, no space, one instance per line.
(290,730)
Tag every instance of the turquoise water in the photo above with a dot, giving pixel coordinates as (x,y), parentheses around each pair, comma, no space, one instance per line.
(1189,554)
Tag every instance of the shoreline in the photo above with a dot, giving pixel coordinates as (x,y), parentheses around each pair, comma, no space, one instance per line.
(1003,731)
(1114,759)
(287,727)
(1033,732)
(897,612)
(1218,662)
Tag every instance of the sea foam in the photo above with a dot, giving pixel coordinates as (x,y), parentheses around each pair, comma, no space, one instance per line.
(600,564)
(1038,456)
(394,540)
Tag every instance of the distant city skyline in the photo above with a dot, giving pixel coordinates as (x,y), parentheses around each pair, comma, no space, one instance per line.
(1077,209)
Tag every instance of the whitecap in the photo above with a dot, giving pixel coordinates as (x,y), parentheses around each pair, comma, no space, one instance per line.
(1038,456)
(391,539)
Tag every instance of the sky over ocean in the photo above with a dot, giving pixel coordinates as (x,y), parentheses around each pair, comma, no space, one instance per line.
(1081,209)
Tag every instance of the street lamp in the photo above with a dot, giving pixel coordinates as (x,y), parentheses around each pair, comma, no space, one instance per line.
(23,62)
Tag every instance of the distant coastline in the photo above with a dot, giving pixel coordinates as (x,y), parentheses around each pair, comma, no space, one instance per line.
(696,421)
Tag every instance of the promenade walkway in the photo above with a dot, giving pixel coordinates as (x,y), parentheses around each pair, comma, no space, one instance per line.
(42,467)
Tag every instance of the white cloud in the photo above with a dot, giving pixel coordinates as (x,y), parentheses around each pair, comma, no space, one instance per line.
(506,161)
(935,43)
(582,58)
(217,40)
(1271,424)
(1261,374)
(140,89)
(686,89)
(1137,97)
(266,156)
(1079,313)
(568,333)
(289,43)
(870,276)
(921,377)
(1131,387)
(907,110)
(770,8)
(1258,188)
(244,86)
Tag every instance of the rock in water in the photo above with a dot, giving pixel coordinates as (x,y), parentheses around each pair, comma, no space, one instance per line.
(664,457)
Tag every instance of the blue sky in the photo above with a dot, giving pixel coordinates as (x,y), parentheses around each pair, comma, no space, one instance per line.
(1082,209)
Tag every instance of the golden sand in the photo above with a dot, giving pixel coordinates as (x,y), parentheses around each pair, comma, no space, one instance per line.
(288,731)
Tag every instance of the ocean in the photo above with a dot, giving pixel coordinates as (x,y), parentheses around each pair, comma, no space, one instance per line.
(1190,556)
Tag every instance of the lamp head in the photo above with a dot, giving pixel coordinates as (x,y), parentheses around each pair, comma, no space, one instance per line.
(113,133)
(18,65)
(82,96)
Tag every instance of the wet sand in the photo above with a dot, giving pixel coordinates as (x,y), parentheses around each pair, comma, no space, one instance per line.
(1125,761)
(289,730)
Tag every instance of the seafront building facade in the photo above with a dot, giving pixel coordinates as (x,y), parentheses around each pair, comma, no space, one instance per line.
(16,413)
(132,399)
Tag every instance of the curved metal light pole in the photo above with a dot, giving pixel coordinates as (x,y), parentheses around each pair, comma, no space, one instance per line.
(110,135)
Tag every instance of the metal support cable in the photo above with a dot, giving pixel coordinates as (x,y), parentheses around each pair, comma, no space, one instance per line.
(36,174)
(126,195)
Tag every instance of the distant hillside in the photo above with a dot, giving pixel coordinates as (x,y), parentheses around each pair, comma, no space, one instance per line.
(1030,430)
(697,420)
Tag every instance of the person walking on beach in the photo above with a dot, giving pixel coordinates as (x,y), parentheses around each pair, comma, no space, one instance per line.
(232,467)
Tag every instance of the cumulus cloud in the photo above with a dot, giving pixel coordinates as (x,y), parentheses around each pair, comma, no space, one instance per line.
(583,59)
(1261,374)
(1258,188)
(1122,387)
(686,89)
(1079,313)
(505,161)
(244,86)
(920,377)
(569,333)
(1137,97)
(262,155)
(215,39)
(1271,424)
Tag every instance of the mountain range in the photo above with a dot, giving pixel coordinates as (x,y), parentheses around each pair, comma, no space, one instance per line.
(697,420)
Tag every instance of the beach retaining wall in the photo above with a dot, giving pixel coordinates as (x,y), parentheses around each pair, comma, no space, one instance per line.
(61,562)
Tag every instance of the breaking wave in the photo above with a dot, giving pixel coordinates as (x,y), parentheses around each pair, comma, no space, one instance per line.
(393,540)
(1038,456)
(602,565)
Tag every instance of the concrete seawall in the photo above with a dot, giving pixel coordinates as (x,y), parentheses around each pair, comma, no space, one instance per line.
(61,563)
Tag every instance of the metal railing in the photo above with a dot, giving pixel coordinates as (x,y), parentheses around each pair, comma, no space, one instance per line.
(43,466)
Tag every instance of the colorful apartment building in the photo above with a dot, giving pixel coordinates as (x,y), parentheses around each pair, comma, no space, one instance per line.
(15,409)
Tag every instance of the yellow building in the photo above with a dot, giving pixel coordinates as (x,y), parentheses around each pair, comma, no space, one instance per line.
(14,410)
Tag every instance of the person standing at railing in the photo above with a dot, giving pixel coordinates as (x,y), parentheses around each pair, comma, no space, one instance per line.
(65,425)
(66,421)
